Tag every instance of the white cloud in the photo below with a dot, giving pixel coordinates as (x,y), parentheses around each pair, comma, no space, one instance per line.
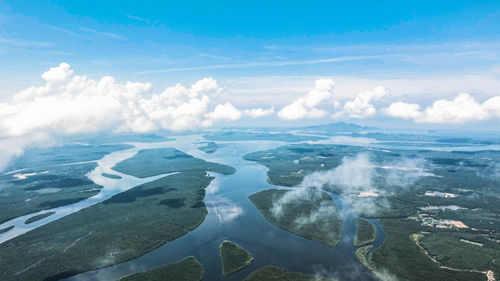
(403,110)
(72,104)
(306,106)
(58,73)
(492,105)
(224,112)
(259,112)
(464,108)
(361,107)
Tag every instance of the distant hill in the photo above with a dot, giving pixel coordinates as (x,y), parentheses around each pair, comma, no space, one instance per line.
(339,127)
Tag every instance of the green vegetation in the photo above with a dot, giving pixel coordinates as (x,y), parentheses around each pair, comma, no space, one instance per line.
(39,189)
(3,230)
(209,147)
(401,256)
(314,216)
(470,177)
(259,136)
(153,162)
(274,273)
(289,164)
(188,269)
(462,250)
(121,228)
(38,217)
(365,233)
(234,258)
(111,176)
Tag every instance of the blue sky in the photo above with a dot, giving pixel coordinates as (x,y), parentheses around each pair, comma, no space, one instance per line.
(132,37)
(266,54)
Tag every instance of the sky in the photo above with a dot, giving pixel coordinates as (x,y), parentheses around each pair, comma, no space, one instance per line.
(79,67)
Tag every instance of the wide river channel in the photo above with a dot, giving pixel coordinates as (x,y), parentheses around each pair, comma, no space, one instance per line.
(231,216)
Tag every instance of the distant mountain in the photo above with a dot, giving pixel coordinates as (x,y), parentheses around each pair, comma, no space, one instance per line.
(339,127)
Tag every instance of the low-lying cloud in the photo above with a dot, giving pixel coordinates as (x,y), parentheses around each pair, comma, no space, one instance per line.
(362,182)
(491,172)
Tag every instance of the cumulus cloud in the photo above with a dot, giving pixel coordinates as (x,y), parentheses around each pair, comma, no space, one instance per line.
(306,106)
(361,106)
(224,112)
(259,112)
(73,104)
(403,110)
(464,108)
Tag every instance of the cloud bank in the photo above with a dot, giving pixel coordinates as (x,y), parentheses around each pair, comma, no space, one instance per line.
(464,108)
(259,112)
(72,104)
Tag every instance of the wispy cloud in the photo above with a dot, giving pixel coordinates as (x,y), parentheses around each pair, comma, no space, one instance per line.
(26,43)
(210,56)
(132,17)
(264,64)
(110,35)
(60,29)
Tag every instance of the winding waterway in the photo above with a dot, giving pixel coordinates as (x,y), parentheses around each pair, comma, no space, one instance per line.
(231,216)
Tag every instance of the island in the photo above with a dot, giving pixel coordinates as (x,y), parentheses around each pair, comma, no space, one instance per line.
(3,230)
(314,216)
(209,147)
(153,162)
(234,258)
(188,269)
(38,217)
(111,176)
